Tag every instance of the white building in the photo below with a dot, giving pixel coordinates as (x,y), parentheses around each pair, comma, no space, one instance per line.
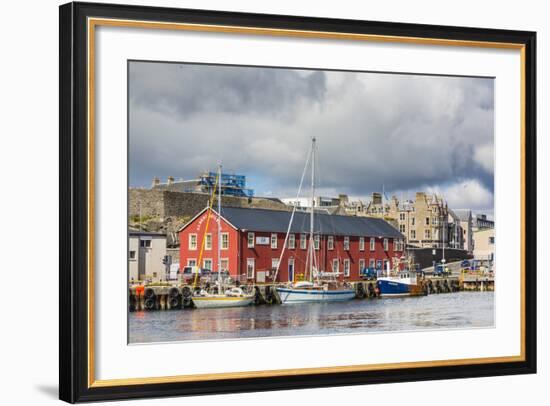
(146,251)
(484,244)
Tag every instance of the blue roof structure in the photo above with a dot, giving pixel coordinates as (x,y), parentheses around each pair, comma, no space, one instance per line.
(276,221)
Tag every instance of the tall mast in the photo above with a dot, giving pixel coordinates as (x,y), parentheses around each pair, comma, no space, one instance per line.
(219,226)
(311,223)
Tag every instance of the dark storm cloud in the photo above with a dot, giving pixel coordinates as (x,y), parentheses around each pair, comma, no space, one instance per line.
(188,89)
(405,132)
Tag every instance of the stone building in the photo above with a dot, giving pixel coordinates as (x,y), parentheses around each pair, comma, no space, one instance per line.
(467,224)
(424,221)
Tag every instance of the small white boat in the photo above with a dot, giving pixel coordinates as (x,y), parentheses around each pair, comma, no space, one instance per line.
(234,297)
(305,292)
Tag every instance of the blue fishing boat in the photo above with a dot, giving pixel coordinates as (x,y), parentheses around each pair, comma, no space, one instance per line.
(404,283)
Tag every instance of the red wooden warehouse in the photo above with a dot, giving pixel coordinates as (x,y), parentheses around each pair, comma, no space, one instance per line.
(252,241)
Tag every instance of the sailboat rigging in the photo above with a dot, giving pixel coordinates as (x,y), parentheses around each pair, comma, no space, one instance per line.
(315,289)
(232,296)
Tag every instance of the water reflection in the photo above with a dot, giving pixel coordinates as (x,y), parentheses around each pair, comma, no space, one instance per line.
(464,309)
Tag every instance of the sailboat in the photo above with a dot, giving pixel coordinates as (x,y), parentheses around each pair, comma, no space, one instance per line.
(224,297)
(317,289)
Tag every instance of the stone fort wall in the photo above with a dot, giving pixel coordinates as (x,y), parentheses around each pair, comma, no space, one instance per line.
(163,204)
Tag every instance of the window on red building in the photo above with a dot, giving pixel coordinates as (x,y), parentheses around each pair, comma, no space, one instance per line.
(372,243)
(192,241)
(346,243)
(316,241)
(208,242)
(386,245)
(250,268)
(330,242)
(303,241)
(361,243)
(291,241)
(346,267)
(335,265)
(274,241)
(225,241)
(250,241)
(361,265)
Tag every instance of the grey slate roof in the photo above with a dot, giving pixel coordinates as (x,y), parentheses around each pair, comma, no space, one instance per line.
(264,220)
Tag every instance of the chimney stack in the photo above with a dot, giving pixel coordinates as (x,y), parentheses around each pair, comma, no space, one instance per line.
(156,182)
(170,180)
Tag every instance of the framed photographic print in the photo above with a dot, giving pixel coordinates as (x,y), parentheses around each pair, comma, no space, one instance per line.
(257,202)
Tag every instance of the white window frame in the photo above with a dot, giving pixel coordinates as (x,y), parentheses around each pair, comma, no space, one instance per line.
(372,244)
(346,266)
(208,241)
(204,263)
(346,243)
(303,241)
(361,243)
(226,245)
(372,263)
(274,263)
(250,261)
(386,244)
(191,261)
(248,243)
(192,247)
(221,264)
(427,234)
(362,264)
(335,265)
(274,241)
(413,234)
(330,243)
(317,242)
(291,241)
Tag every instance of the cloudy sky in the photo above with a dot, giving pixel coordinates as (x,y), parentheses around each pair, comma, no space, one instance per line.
(406,132)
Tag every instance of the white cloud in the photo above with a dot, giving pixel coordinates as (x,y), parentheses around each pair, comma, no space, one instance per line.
(470,194)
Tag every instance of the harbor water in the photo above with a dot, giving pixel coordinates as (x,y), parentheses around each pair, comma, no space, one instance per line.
(443,311)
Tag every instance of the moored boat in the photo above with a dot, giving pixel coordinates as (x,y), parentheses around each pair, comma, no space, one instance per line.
(234,297)
(315,289)
(404,283)
(303,292)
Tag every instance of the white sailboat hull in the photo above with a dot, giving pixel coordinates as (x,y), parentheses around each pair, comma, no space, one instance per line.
(290,295)
(208,302)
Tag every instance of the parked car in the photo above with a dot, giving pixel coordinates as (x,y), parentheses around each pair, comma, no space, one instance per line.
(189,272)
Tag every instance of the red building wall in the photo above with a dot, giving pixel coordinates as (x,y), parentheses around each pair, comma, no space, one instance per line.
(263,255)
(198,227)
